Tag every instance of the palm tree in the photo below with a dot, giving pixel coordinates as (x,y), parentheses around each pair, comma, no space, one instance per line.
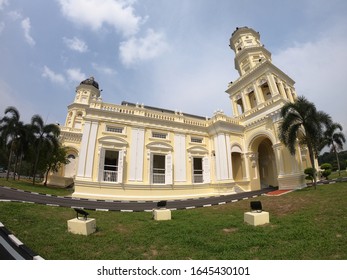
(10,129)
(44,135)
(334,140)
(302,120)
(21,148)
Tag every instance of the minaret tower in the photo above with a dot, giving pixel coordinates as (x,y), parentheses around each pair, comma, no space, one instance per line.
(261,84)
(245,42)
(86,93)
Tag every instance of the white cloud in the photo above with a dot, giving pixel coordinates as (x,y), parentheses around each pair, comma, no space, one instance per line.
(319,71)
(3,3)
(95,13)
(104,69)
(14,15)
(139,49)
(52,76)
(76,44)
(75,75)
(26,26)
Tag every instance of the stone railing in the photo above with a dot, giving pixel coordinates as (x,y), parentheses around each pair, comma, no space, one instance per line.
(143,112)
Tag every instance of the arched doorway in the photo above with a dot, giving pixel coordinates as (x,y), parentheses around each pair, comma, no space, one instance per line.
(70,168)
(264,165)
(267,164)
(236,163)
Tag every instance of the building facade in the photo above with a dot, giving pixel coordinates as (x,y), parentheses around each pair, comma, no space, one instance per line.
(132,151)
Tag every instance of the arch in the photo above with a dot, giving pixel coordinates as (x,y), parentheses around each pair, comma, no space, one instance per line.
(112,140)
(157,145)
(237,162)
(236,148)
(257,137)
(265,161)
(197,150)
(70,169)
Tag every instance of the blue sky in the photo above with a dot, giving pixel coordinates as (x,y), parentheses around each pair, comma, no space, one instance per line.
(170,54)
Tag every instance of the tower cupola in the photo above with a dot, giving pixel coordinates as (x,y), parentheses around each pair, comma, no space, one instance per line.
(87,91)
(249,50)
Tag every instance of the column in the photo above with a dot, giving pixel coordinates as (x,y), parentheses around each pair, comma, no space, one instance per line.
(137,154)
(222,172)
(245,167)
(86,160)
(258,94)
(289,94)
(253,158)
(272,84)
(244,102)
(282,91)
(228,155)
(180,158)
(234,106)
(279,158)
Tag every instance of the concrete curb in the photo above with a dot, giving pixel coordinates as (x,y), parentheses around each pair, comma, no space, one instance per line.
(16,250)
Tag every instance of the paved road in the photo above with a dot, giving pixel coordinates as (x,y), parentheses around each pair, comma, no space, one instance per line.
(130,206)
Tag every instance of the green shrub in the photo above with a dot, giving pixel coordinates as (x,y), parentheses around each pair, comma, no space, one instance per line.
(310,173)
(327,169)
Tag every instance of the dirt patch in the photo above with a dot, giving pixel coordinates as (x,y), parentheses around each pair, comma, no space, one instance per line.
(230,230)
(285,205)
(122,228)
(151,253)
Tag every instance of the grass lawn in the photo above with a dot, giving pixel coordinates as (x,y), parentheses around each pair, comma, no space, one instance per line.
(305,224)
(335,174)
(27,185)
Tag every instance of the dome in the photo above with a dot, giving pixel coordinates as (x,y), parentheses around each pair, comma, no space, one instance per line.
(90,81)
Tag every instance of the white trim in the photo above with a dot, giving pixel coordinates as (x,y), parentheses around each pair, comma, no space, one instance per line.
(121,155)
(168,169)
(91,150)
(228,155)
(206,173)
(217,158)
(83,153)
(101,165)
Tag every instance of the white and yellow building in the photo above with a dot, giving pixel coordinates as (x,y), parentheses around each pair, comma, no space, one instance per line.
(132,151)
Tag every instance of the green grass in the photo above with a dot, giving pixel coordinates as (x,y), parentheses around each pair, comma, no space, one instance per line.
(305,224)
(335,174)
(26,185)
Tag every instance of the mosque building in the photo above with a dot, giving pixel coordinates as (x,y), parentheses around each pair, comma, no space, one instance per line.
(132,151)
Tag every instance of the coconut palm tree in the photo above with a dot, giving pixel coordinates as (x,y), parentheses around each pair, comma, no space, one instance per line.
(44,135)
(334,140)
(302,120)
(10,130)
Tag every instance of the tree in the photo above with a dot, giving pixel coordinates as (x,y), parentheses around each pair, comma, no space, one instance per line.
(10,130)
(301,120)
(43,135)
(334,140)
(56,157)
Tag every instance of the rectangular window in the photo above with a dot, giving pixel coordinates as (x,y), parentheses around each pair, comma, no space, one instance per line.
(114,129)
(196,140)
(111,166)
(197,170)
(159,135)
(158,169)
